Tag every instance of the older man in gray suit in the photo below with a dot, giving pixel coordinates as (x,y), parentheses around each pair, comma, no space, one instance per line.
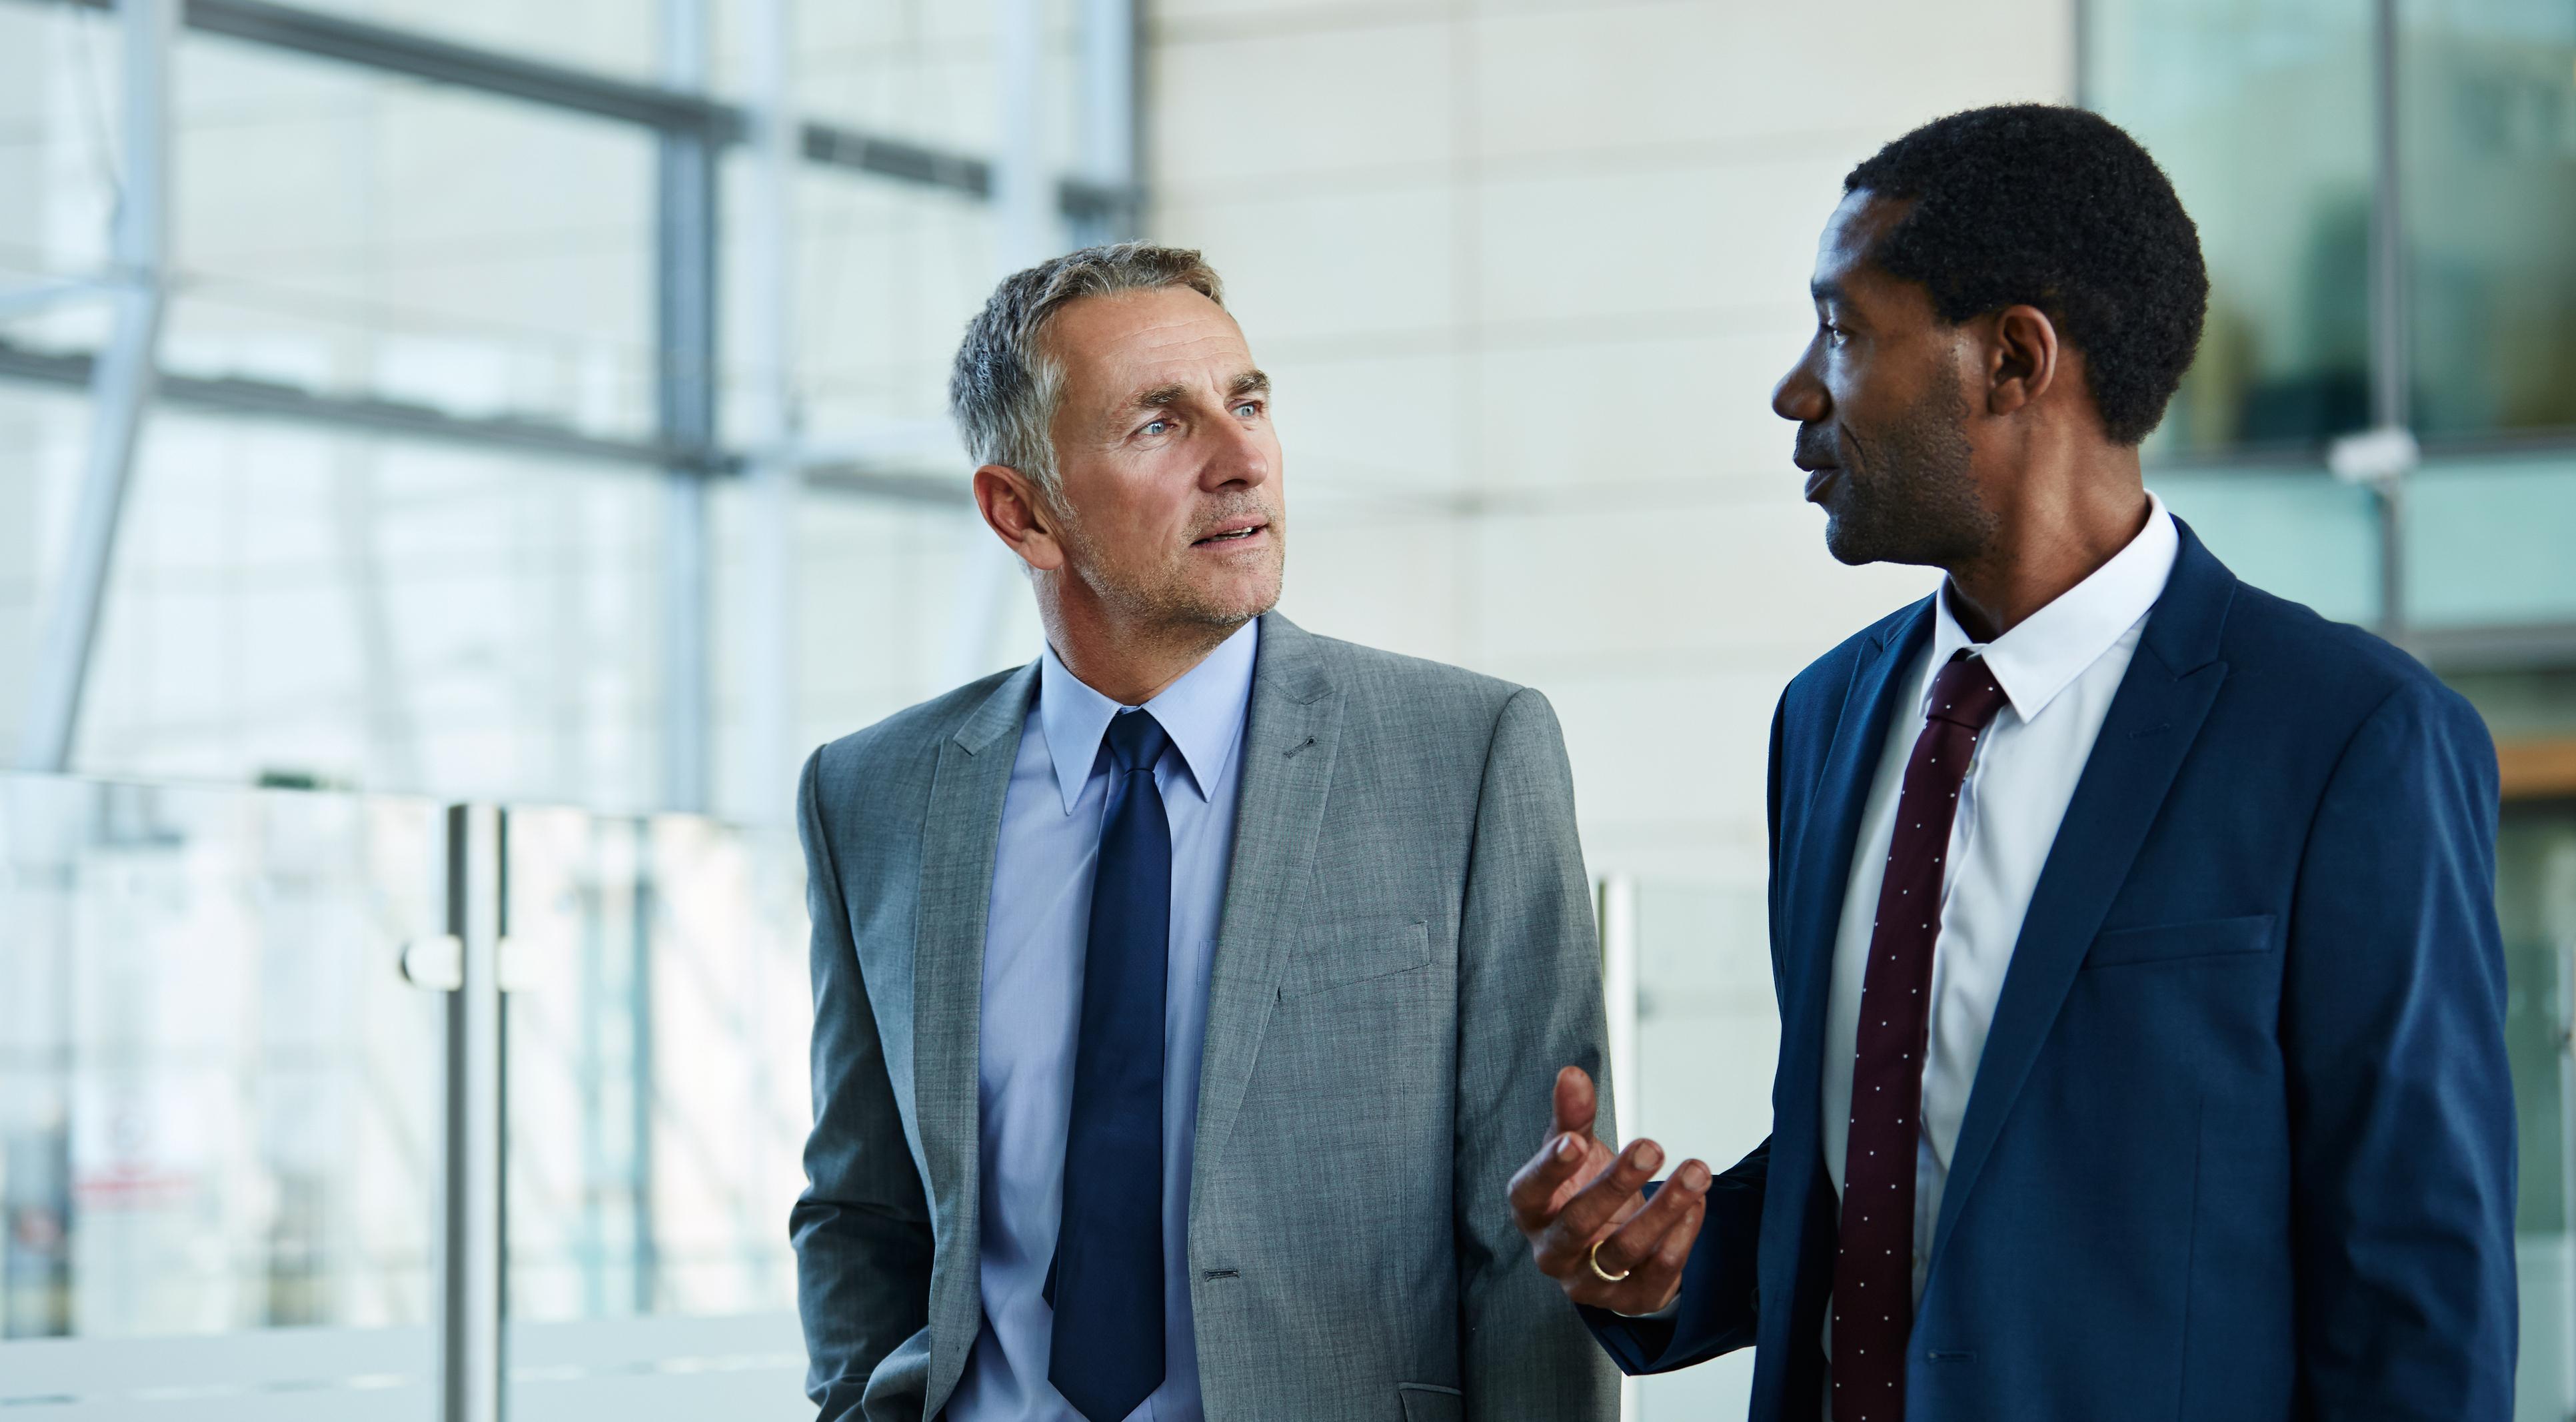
(1183,1000)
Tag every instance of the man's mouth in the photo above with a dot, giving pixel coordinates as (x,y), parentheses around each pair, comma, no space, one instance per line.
(1233,533)
(1818,478)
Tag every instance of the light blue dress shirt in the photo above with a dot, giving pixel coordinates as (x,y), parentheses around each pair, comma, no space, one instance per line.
(1034,941)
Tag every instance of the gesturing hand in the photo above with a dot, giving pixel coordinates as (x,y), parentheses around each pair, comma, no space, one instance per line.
(1575,1194)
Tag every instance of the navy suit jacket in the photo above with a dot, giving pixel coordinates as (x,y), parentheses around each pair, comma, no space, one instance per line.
(2241,1145)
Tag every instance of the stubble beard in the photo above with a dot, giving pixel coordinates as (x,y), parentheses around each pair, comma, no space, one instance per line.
(1908,494)
(1161,600)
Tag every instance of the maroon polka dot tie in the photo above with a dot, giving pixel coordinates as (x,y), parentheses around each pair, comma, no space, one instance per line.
(1874,1267)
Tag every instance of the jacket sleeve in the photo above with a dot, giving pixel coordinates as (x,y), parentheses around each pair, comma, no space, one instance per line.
(862,1226)
(1529,1003)
(2401,1106)
(1719,1308)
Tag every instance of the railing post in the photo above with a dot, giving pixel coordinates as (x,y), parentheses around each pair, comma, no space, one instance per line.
(471,1234)
(1616,896)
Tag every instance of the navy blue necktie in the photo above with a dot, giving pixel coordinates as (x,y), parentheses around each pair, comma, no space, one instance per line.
(1107,1353)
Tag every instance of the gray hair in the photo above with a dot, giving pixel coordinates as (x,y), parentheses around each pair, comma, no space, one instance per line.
(1003,389)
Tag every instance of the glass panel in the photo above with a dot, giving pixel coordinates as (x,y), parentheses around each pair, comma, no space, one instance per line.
(219,1101)
(2284,222)
(1708,1038)
(42,436)
(2487,99)
(887,275)
(2492,543)
(618,36)
(2297,533)
(921,70)
(656,1031)
(304,608)
(358,233)
(2536,902)
(58,123)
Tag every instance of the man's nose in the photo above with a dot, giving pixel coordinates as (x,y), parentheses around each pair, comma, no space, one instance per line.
(1800,396)
(1238,457)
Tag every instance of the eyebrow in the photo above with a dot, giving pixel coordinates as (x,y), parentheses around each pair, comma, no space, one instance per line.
(1163,397)
(1827,291)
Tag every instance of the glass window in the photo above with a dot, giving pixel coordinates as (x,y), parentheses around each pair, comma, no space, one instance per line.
(918,70)
(886,276)
(350,232)
(58,122)
(657,1022)
(304,607)
(622,37)
(42,436)
(2487,99)
(2260,112)
(220,1103)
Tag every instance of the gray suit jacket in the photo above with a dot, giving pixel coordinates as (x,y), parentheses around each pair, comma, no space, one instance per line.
(1406,957)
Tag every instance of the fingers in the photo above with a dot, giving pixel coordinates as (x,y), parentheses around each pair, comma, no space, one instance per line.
(1539,1185)
(1566,1242)
(1568,1154)
(1649,1252)
(1639,1242)
(1576,1103)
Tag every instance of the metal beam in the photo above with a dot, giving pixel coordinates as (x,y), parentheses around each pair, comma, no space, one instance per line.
(768,425)
(864,477)
(471,1242)
(363,415)
(1110,133)
(120,384)
(685,289)
(670,108)
(2391,358)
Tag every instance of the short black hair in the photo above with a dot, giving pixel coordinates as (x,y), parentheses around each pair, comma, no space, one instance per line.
(2058,208)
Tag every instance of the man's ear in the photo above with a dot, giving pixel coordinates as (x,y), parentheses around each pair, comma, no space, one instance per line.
(1018,513)
(2021,358)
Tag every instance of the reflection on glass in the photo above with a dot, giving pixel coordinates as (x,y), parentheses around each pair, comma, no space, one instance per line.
(302,607)
(656,1028)
(1708,1039)
(219,1101)
(2536,904)
(2487,102)
(2260,112)
(360,233)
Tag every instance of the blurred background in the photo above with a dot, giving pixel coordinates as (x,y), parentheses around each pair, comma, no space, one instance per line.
(457,456)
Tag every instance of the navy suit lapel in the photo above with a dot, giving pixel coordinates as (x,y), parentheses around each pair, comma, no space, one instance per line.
(2154,717)
(1820,872)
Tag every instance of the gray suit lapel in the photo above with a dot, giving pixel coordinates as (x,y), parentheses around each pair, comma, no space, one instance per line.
(963,824)
(1290,739)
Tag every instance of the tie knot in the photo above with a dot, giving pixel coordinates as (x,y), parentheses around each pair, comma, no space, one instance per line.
(1136,740)
(1966,693)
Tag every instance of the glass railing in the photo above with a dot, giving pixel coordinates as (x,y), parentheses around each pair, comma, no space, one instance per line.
(328,1106)
(259,1050)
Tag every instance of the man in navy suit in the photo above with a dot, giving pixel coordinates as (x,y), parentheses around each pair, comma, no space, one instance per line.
(2133,930)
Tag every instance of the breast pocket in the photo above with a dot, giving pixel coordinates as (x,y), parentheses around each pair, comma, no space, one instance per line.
(1346,956)
(2214,938)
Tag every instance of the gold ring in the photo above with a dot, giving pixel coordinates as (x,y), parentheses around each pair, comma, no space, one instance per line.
(1600,1273)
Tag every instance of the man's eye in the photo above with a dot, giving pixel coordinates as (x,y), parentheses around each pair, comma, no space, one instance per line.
(1248,408)
(1155,427)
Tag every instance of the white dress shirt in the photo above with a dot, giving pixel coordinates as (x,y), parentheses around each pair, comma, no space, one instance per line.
(2059,669)
(1035,937)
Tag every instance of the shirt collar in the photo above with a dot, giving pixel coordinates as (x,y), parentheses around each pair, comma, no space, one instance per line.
(1201,712)
(2044,653)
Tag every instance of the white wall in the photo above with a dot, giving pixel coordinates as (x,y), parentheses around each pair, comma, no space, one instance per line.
(1524,272)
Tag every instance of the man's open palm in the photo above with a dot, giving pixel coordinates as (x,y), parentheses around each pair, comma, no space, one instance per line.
(1590,1226)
